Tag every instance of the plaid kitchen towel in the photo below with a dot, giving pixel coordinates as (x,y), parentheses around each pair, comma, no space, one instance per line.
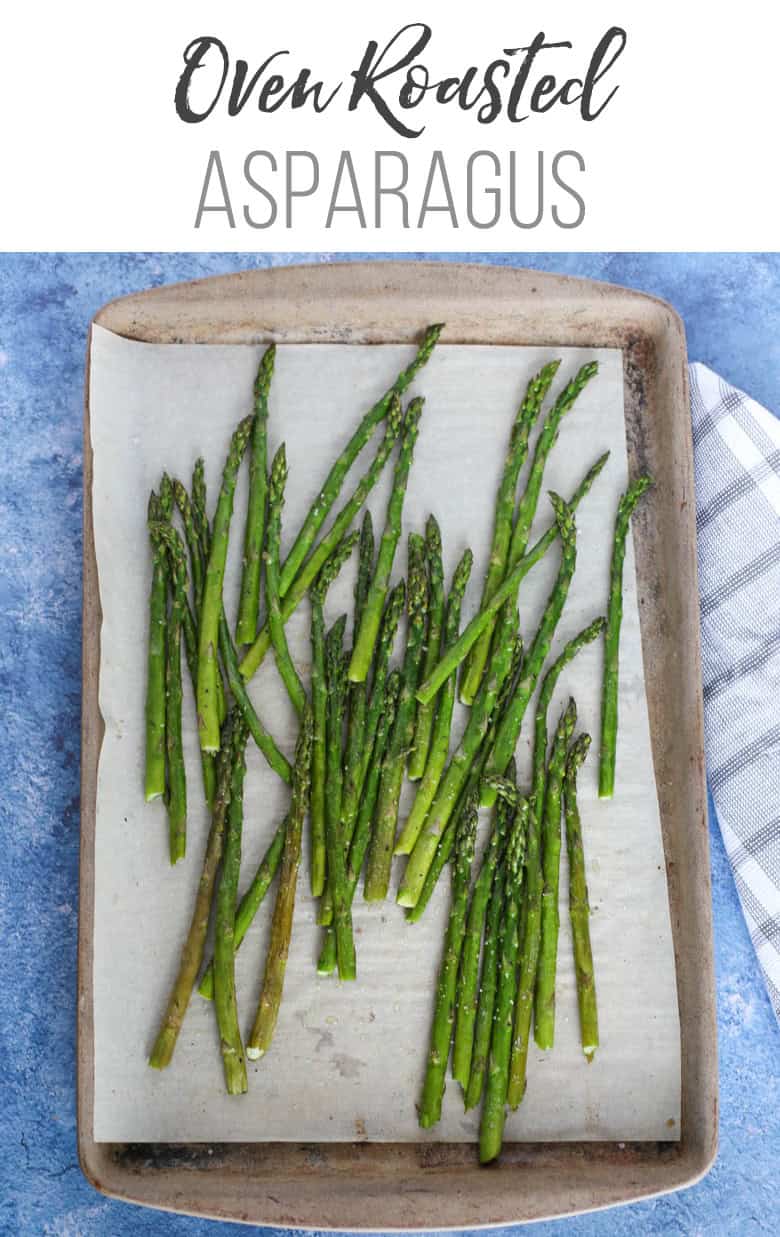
(737,461)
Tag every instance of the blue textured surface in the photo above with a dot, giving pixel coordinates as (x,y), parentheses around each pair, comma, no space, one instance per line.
(731,308)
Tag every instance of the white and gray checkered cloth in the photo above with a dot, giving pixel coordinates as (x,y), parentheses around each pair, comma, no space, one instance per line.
(737,459)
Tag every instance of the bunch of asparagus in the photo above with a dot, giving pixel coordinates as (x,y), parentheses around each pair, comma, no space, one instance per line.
(364,725)
(509,917)
(189,604)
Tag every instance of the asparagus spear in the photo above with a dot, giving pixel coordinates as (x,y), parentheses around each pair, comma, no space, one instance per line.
(525,420)
(208,762)
(354,778)
(319,696)
(423,725)
(546,691)
(176,802)
(609,695)
(504,787)
(198,536)
(544,998)
(444,1008)
(529,959)
(468,979)
(335,479)
(491,1132)
(202,531)
(184,504)
(452,783)
(233,1060)
(194,945)
(254,533)
(579,906)
(381,852)
(198,492)
(440,738)
(284,661)
(250,903)
(335,665)
(526,509)
(154,785)
(365,641)
(189,626)
(319,700)
(459,651)
(358,692)
(324,548)
(488,976)
(281,926)
(531,941)
(265,742)
(540,547)
(509,730)
(472,785)
(335,691)
(208,671)
(362,832)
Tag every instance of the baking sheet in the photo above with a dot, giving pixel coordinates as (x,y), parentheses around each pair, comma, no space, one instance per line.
(348,1059)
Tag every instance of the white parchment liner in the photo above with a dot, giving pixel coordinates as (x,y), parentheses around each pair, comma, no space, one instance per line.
(347,1060)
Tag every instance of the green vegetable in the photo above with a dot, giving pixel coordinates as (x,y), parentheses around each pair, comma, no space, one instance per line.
(491,1131)
(525,420)
(456,654)
(609,695)
(526,508)
(176,801)
(250,903)
(184,504)
(154,785)
(423,725)
(292,594)
(358,692)
(380,855)
(365,641)
(362,833)
(281,926)
(265,742)
(208,635)
(195,943)
(471,787)
(544,999)
(332,487)
(579,906)
(319,696)
(335,674)
(254,533)
(233,1060)
(355,777)
(468,979)
(440,738)
(444,1007)
(488,976)
(453,780)
(509,730)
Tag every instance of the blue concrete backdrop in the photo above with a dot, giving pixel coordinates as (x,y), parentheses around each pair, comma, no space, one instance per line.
(731,308)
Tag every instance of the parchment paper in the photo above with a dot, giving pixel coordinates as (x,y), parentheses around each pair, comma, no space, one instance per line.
(347,1060)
